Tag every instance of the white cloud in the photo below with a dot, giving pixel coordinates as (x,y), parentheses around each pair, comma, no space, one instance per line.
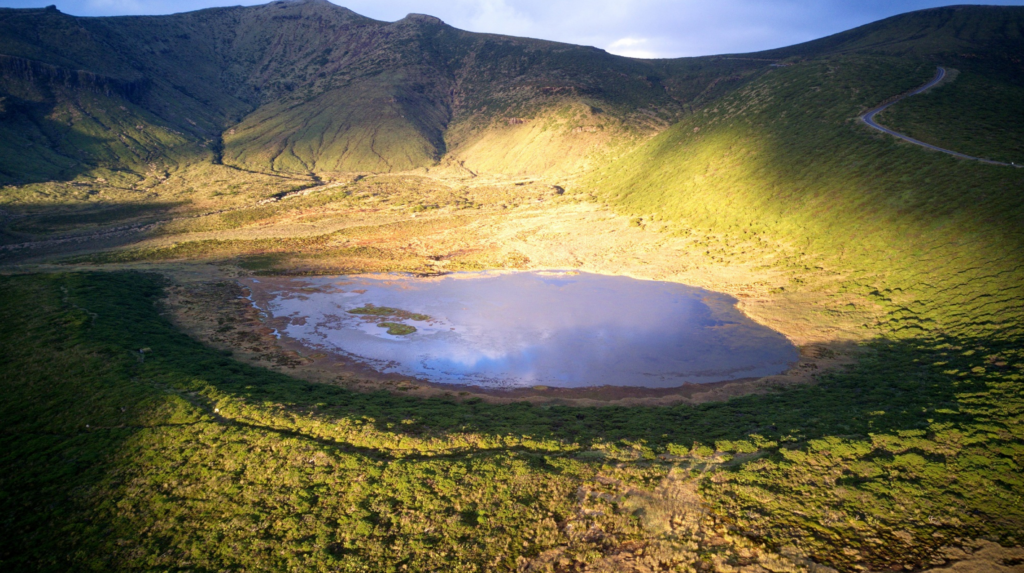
(627,42)
(631,48)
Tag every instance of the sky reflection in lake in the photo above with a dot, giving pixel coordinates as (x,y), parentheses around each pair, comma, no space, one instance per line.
(533,328)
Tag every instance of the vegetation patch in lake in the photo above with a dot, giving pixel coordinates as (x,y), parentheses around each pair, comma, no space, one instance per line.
(389,312)
(397,328)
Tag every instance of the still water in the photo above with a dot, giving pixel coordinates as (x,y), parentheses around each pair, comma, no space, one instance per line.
(526,329)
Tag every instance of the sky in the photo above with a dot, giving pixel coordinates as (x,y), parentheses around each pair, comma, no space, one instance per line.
(635,28)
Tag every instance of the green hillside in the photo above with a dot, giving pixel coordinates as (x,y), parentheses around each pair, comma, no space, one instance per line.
(781,171)
(54,131)
(785,159)
(968,114)
(971,113)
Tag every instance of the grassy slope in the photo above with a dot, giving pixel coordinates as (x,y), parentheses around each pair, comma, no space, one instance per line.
(446,90)
(329,134)
(933,238)
(62,134)
(338,92)
(974,114)
(782,170)
(334,91)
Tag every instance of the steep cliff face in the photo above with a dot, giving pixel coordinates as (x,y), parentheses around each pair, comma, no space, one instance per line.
(14,69)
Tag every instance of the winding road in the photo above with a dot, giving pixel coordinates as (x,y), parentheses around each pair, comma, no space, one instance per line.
(868,117)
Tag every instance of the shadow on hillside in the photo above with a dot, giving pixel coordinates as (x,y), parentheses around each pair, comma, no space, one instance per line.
(33,144)
(64,230)
(63,136)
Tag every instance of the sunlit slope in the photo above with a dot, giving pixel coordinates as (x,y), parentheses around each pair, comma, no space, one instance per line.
(540,108)
(336,92)
(359,128)
(394,96)
(300,87)
(553,140)
(588,118)
(782,170)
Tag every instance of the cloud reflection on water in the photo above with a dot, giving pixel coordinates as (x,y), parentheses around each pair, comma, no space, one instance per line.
(523,329)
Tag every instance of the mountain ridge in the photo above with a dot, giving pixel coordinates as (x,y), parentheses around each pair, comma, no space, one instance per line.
(310,87)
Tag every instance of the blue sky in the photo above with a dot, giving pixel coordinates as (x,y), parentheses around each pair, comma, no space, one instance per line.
(638,28)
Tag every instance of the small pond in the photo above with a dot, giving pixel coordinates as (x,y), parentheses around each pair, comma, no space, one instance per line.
(558,329)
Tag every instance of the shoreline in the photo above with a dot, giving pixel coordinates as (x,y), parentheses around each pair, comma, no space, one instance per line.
(269,347)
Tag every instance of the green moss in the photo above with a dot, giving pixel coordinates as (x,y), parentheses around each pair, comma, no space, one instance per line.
(397,328)
(372,310)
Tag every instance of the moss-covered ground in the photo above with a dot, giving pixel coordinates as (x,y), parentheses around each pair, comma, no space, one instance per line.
(397,328)
(387,311)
